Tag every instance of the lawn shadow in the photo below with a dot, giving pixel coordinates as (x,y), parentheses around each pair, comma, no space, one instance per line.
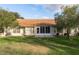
(58,45)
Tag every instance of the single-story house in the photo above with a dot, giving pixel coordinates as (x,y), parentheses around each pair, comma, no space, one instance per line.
(36,27)
(33,27)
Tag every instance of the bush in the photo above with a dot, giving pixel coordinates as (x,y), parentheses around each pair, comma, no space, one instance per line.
(65,34)
(57,34)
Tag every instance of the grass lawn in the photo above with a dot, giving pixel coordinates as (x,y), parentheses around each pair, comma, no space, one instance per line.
(39,46)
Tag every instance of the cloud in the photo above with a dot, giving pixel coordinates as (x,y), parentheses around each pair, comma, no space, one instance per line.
(47,10)
(52,7)
(48,6)
(55,7)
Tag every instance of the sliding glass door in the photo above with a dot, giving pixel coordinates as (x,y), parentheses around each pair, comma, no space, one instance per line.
(43,29)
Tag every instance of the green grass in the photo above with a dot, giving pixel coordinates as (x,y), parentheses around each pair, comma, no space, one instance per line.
(39,46)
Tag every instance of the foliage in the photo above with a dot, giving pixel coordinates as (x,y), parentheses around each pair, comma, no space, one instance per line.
(8,19)
(68,18)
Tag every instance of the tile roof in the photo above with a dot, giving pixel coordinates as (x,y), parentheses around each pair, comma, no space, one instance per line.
(33,22)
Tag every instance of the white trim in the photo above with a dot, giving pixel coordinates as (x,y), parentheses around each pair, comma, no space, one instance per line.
(45,34)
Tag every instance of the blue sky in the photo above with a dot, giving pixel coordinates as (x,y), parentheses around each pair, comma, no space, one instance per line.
(32,10)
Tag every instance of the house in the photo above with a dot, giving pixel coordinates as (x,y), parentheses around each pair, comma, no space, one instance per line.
(73,31)
(33,27)
(36,27)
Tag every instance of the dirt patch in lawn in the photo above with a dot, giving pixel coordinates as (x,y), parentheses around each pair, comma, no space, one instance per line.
(25,47)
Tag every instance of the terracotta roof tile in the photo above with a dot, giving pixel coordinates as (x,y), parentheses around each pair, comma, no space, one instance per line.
(32,22)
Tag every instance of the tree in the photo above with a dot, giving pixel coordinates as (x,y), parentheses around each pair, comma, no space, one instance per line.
(8,19)
(17,15)
(69,18)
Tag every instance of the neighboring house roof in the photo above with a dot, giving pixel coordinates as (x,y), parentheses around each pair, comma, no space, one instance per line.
(33,22)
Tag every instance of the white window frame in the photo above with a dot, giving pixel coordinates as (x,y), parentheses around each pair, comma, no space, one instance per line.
(45,32)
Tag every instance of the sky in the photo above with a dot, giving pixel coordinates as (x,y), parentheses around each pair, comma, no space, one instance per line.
(33,10)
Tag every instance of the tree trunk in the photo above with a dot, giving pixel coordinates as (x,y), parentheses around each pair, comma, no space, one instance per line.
(24,31)
(6,32)
(68,32)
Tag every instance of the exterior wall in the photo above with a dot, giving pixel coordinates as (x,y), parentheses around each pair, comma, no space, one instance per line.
(63,32)
(73,31)
(2,34)
(29,31)
(33,31)
(53,30)
(16,34)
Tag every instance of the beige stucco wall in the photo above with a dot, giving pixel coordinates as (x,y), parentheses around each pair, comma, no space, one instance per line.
(17,34)
(73,31)
(29,31)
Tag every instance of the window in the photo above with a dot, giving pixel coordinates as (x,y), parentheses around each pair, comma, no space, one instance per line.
(17,30)
(48,29)
(43,29)
(37,30)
